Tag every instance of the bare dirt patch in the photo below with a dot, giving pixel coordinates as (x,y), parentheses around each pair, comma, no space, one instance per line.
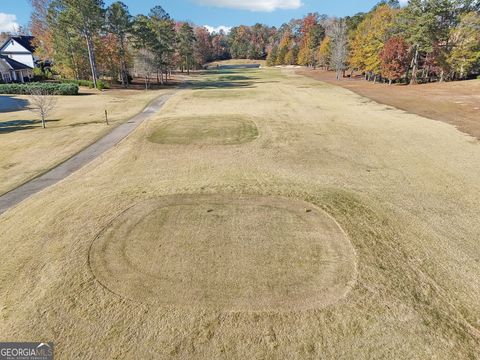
(210,130)
(456,103)
(229,253)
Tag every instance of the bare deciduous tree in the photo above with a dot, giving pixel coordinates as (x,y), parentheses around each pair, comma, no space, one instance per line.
(42,103)
(338,33)
(144,65)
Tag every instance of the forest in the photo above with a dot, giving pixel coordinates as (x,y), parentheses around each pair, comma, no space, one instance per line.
(425,41)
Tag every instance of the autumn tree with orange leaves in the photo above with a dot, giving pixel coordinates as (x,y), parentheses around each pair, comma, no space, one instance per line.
(370,37)
(40,29)
(394,58)
(312,33)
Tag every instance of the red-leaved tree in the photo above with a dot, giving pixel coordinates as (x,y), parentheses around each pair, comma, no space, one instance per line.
(394,58)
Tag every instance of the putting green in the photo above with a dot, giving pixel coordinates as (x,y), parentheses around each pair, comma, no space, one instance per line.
(226,130)
(232,253)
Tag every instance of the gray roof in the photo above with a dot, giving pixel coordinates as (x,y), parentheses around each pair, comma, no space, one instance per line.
(14,64)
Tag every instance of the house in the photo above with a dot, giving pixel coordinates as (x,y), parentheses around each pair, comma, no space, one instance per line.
(16,59)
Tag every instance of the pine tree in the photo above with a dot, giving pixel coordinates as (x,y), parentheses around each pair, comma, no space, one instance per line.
(118,23)
(86,17)
(186,43)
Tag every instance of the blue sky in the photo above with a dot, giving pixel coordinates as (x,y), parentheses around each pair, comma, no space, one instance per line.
(214,12)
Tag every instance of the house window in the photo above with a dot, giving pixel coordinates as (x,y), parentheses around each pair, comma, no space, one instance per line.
(6,77)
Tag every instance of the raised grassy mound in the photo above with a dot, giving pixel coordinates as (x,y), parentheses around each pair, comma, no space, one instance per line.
(211,130)
(229,253)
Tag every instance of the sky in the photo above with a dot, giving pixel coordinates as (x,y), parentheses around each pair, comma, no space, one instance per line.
(212,13)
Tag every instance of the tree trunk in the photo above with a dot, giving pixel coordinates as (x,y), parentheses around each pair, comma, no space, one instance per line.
(91,58)
(413,80)
(123,63)
(73,59)
(122,75)
(43,121)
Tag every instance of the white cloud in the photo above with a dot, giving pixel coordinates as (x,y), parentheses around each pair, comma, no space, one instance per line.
(403,2)
(8,22)
(217,29)
(254,5)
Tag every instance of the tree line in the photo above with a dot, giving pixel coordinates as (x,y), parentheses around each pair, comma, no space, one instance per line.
(427,40)
(86,40)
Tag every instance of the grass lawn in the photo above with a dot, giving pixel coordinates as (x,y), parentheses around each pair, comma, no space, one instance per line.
(454,102)
(27,150)
(337,227)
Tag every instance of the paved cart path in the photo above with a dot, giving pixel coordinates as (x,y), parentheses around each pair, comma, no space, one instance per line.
(76,162)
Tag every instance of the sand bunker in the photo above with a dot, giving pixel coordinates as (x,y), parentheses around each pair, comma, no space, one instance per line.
(232,253)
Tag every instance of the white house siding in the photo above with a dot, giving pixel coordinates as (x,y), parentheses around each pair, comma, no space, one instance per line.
(18,53)
(26,59)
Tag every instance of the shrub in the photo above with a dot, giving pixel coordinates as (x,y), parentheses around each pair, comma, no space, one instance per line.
(102,85)
(87,83)
(40,74)
(49,88)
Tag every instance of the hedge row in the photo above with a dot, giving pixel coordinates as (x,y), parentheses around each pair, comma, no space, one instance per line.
(88,83)
(50,88)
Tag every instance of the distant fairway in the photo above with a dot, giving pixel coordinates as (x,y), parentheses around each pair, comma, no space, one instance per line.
(259,215)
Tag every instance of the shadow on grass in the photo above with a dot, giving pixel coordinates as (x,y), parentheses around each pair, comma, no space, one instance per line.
(87,123)
(236,78)
(218,84)
(9,104)
(239,66)
(18,125)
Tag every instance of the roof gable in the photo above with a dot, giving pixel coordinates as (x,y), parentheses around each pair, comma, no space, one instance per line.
(24,42)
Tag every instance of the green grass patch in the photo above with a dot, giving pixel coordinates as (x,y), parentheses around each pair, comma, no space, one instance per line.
(211,130)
